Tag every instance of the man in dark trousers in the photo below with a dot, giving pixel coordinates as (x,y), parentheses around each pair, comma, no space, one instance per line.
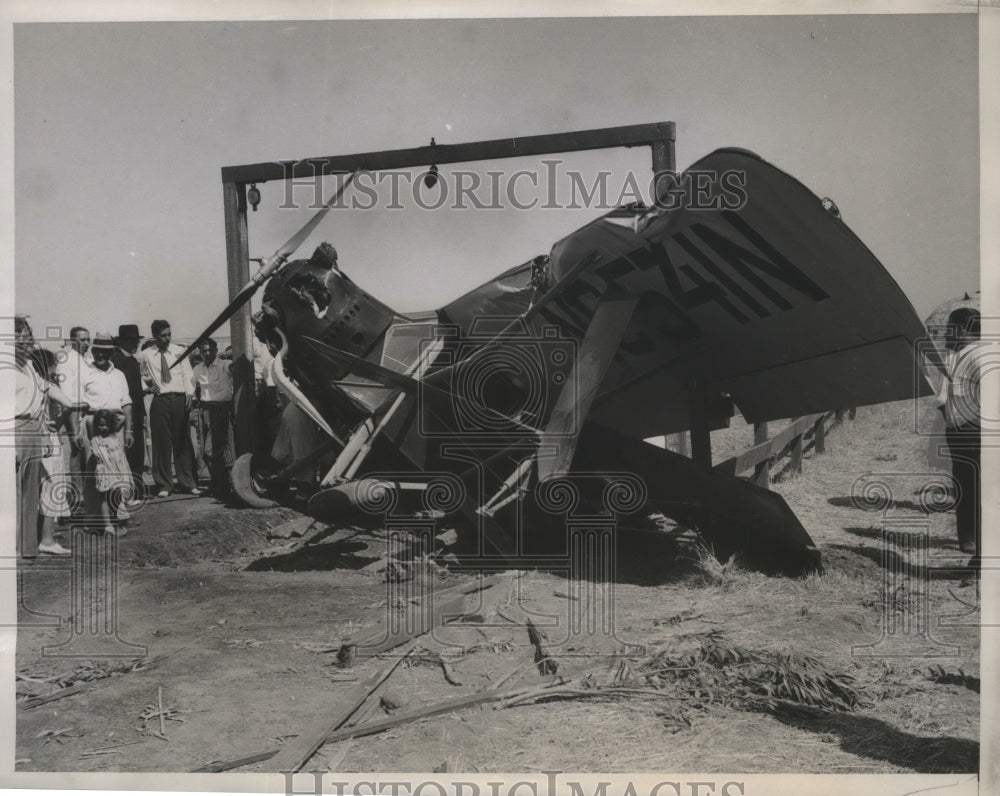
(124,358)
(169,411)
(966,359)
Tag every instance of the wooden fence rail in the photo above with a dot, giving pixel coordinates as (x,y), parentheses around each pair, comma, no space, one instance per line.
(793,440)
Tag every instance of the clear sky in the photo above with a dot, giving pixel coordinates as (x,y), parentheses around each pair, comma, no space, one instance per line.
(121,130)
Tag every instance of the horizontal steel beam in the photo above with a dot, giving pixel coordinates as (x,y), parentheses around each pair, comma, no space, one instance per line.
(605,138)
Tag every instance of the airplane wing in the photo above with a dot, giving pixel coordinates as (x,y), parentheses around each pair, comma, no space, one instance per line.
(772,301)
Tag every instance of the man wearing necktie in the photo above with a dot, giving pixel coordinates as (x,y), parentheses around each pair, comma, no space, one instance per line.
(169,411)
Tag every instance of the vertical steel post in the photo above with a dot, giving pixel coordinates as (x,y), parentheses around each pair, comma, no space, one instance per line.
(238,270)
(663,161)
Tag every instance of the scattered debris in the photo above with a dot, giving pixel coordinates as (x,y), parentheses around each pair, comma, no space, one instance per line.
(435,709)
(107,750)
(448,538)
(390,701)
(243,643)
(34,702)
(446,605)
(43,680)
(90,671)
(160,713)
(939,674)
(545,662)
(293,528)
(294,754)
(56,735)
(676,619)
(718,672)
(449,673)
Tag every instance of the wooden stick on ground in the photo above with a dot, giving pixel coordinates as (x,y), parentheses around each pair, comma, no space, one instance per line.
(544,660)
(436,709)
(76,688)
(444,605)
(448,705)
(34,702)
(159,706)
(294,754)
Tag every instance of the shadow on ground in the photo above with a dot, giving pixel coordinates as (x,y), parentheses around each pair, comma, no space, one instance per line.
(849,502)
(876,534)
(875,739)
(342,554)
(894,562)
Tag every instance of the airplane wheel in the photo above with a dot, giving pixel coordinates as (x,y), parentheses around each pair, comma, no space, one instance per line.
(247,484)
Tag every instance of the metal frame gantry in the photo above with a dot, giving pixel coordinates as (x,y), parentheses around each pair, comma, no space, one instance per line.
(659,136)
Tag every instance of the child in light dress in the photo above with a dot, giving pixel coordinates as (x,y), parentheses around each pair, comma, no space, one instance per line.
(112,475)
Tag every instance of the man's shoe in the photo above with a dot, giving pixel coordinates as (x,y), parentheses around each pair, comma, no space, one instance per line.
(54,549)
(163,493)
(195,491)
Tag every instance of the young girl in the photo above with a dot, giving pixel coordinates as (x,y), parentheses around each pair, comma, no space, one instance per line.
(112,475)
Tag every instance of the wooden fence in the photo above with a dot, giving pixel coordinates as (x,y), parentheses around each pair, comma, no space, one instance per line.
(795,439)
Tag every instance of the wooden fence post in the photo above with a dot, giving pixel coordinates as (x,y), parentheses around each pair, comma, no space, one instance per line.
(701,435)
(819,435)
(681,443)
(796,457)
(762,472)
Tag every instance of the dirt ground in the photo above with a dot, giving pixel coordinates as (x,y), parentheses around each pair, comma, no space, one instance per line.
(231,620)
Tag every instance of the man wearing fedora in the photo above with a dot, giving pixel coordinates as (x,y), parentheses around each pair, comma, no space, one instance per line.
(104,388)
(124,359)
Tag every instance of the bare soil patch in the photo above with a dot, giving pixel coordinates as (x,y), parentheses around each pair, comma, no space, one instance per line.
(239,614)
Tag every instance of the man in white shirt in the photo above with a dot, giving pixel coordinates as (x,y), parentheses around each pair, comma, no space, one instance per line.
(74,363)
(213,387)
(104,387)
(169,411)
(959,397)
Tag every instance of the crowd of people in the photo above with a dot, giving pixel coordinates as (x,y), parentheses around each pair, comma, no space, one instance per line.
(84,417)
(90,418)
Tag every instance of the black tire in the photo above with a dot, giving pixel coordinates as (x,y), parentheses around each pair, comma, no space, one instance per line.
(247,486)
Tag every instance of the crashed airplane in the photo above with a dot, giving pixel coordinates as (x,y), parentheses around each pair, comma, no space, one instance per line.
(528,399)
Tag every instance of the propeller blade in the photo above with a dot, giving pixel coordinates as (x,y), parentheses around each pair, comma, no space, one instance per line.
(274,262)
(241,298)
(299,237)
